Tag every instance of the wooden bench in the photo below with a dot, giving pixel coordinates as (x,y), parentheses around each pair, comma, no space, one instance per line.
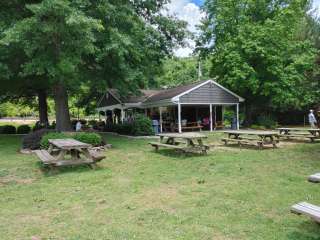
(96,156)
(45,157)
(299,136)
(307,209)
(315,178)
(241,141)
(158,144)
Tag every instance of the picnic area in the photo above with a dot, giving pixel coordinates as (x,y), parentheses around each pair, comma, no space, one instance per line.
(230,193)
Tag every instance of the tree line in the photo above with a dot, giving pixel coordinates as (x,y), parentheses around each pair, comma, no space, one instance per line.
(264,50)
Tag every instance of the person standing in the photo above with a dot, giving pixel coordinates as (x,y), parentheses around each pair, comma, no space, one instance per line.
(312,119)
(78,126)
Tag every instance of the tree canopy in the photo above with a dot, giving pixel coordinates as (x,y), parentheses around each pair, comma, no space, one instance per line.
(256,51)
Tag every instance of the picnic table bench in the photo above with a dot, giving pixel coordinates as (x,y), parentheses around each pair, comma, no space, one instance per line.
(184,142)
(308,209)
(246,137)
(306,133)
(68,152)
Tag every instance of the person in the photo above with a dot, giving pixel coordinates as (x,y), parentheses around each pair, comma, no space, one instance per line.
(155,125)
(78,126)
(312,119)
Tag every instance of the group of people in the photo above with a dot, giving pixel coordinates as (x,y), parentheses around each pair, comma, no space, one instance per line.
(314,120)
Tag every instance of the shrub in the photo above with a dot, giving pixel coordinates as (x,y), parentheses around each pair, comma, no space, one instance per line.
(8,129)
(44,143)
(92,123)
(125,128)
(90,138)
(142,125)
(23,129)
(32,140)
(266,121)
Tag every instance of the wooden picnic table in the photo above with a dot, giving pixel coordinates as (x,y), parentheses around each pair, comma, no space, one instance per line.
(65,152)
(185,142)
(261,138)
(310,133)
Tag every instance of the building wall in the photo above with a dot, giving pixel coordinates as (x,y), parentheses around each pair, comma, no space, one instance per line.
(209,93)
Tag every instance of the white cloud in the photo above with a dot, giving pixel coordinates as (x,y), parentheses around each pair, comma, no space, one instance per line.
(191,13)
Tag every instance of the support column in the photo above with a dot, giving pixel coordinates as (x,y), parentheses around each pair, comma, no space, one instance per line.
(146,112)
(112,118)
(238,124)
(122,115)
(211,122)
(179,118)
(105,116)
(160,112)
(215,117)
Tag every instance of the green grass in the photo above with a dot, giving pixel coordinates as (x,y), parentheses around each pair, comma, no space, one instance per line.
(139,194)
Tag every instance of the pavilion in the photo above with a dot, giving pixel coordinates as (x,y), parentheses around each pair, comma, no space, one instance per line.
(181,105)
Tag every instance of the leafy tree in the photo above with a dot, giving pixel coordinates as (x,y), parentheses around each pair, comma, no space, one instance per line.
(100,44)
(255,51)
(178,71)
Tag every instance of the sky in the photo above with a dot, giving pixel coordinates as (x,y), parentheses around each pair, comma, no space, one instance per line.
(189,11)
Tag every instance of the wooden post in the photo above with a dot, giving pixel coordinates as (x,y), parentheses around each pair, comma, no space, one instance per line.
(146,112)
(211,123)
(238,125)
(179,117)
(160,112)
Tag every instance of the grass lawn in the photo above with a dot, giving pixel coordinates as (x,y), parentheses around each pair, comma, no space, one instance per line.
(139,194)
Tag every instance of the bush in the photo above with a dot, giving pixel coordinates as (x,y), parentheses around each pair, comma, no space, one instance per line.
(142,126)
(23,129)
(92,123)
(125,128)
(8,129)
(44,143)
(266,121)
(32,140)
(90,138)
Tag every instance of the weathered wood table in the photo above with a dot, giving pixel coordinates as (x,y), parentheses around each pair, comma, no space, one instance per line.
(66,152)
(307,133)
(251,137)
(185,142)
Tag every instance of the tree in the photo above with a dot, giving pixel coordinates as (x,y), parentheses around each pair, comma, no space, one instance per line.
(178,71)
(95,43)
(255,51)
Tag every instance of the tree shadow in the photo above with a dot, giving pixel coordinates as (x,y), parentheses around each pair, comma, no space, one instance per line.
(311,231)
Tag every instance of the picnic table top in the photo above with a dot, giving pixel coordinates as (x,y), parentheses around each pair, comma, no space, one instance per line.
(299,129)
(252,132)
(68,143)
(188,135)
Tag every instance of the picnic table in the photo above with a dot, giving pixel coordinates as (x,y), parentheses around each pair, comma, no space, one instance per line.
(66,152)
(309,133)
(184,142)
(260,138)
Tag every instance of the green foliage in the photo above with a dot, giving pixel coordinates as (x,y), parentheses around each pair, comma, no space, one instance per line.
(142,125)
(179,71)
(7,129)
(267,121)
(90,138)
(23,129)
(255,51)
(44,143)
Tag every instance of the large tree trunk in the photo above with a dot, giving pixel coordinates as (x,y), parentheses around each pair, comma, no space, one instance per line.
(61,107)
(43,107)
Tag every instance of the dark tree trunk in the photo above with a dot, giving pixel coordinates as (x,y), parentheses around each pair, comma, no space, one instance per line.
(43,107)
(61,107)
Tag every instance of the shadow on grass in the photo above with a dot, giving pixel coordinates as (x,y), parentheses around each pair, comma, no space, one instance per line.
(247,146)
(312,228)
(178,154)
(48,172)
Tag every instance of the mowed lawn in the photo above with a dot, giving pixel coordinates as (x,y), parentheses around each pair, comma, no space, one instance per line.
(139,194)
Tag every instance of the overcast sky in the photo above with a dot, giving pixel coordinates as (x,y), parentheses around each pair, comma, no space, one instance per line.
(189,11)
